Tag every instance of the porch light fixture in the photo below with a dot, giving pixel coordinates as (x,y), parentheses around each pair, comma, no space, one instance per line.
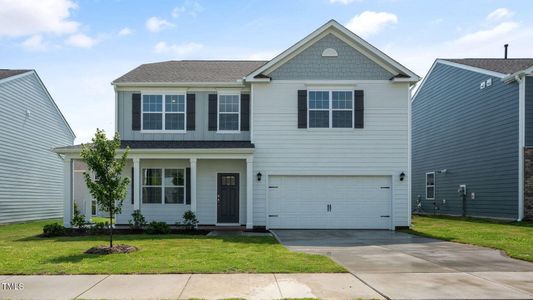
(259,175)
(402,176)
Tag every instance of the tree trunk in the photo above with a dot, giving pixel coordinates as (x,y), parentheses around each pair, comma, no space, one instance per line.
(111,228)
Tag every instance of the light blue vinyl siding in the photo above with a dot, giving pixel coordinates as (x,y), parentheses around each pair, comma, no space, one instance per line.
(199,134)
(471,132)
(529,112)
(31,175)
(350,64)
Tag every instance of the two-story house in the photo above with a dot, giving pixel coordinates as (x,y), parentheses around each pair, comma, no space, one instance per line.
(315,138)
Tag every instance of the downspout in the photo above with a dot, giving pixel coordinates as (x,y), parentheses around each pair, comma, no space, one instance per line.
(521,142)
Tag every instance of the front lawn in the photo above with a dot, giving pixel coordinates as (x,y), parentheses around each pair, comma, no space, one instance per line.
(22,252)
(515,238)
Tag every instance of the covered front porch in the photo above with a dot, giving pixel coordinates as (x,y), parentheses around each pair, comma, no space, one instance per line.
(216,184)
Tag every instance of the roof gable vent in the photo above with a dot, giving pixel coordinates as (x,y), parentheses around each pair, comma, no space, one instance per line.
(329,52)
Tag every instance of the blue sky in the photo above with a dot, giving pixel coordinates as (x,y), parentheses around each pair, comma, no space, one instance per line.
(79,47)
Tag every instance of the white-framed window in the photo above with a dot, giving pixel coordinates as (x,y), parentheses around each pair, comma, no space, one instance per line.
(94,207)
(430,185)
(163,112)
(163,186)
(330,109)
(229,112)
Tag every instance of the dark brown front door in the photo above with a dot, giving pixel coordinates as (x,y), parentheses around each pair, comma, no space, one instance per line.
(228,198)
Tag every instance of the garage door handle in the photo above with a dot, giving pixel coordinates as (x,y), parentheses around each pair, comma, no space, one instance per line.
(385,187)
(385,216)
(273,216)
(273,187)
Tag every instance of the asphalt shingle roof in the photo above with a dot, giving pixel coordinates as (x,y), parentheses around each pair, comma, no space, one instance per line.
(191,71)
(500,65)
(5,73)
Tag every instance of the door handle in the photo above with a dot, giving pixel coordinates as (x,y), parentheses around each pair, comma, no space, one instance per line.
(218,198)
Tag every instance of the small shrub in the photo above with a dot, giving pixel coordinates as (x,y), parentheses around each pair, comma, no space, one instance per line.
(138,221)
(99,228)
(157,228)
(78,219)
(54,229)
(189,220)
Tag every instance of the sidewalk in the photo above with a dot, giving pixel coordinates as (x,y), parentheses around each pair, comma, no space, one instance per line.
(186,286)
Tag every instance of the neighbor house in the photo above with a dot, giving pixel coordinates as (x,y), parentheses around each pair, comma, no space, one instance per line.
(31,184)
(472,133)
(315,138)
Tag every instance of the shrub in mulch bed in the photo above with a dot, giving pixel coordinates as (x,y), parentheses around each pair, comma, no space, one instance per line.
(101,249)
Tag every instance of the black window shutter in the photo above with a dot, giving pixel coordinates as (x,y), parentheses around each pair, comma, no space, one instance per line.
(359,109)
(132,186)
(212,114)
(136,112)
(191,111)
(245,112)
(302,108)
(188,186)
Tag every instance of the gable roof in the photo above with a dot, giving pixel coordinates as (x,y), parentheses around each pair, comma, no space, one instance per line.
(500,65)
(190,71)
(6,73)
(354,40)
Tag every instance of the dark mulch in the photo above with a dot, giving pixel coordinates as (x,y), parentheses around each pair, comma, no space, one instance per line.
(125,231)
(101,249)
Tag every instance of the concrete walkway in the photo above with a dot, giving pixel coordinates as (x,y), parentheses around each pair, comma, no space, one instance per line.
(187,286)
(404,266)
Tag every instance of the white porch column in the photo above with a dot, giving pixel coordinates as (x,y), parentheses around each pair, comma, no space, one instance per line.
(136,183)
(193,184)
(249,193)
(67,207)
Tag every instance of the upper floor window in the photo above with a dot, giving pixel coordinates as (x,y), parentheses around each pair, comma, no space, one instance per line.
(430,185)
(330,109)
(229,112)
(163,112)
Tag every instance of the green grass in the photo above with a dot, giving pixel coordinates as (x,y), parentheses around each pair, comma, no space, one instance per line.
(22,252)
(96,219)
(515,238)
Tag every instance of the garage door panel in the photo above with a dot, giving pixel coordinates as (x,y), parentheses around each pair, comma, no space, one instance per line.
(356,202)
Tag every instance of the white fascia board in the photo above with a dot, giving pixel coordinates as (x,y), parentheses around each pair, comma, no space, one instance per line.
(514,76)
(309,40)
(456,65)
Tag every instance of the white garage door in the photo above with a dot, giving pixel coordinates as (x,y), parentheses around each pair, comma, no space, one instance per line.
(329,202)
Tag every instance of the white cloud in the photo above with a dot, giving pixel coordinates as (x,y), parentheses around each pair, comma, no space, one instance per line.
(370,22)
(189,7)
(125,31)
(178,50)
(34,43)
(155,24)
(489,34)
(81,40)
(343,2)
(499,14)
(21,18)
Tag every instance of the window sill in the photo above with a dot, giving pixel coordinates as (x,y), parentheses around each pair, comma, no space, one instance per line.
(228,131)
(163,131)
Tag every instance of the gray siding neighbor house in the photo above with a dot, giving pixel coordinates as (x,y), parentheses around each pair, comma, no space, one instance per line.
(472,126)
(32,175)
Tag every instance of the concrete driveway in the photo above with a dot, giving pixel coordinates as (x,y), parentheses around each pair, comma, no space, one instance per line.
(403,266)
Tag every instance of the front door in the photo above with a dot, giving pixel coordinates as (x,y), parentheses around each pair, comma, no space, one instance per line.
(228,198)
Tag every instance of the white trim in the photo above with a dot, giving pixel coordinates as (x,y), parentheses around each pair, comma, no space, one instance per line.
(116,109)
(251,113)
(457,65)
(434,186)
(384,60)
(227,93)
(194,167)
(163,186)
(409,158)
(214,153)
(249,193)
(136,183)
(238,194)
(518,74)
(164,113)
(330,109)
(521,144)
(67,204)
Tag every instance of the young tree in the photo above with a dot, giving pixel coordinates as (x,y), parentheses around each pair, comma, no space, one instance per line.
(109,188)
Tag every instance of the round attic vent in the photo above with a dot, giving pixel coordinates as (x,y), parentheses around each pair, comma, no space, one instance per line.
(329,52)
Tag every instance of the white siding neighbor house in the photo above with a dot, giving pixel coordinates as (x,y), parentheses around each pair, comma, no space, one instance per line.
(317,137)
(31,184)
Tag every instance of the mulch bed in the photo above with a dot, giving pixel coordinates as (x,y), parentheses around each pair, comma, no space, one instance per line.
(125,231)
(101,249)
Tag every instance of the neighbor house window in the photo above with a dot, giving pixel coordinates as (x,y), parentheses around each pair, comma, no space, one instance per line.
(163,186)
(330,109)
(430,185)
(228,112)
(163,112)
